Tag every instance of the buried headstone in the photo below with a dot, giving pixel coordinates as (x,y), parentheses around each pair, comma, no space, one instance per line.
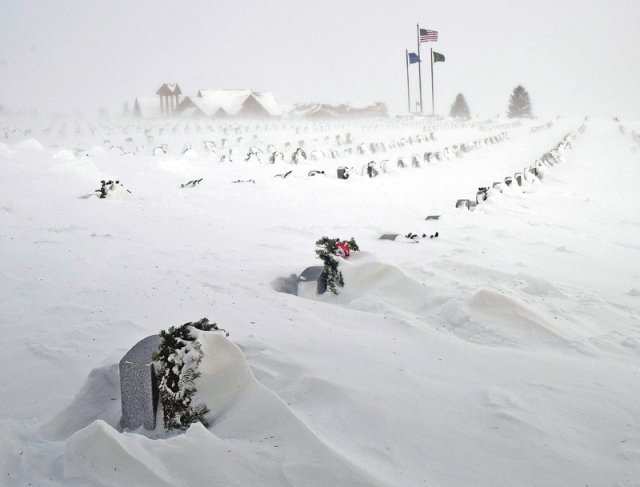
(389,236)
(138,385)
(343,172)
(463,204)
(314,278)
(518,177)
(482,194)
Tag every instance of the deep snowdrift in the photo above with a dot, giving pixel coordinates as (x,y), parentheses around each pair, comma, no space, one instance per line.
(503,352)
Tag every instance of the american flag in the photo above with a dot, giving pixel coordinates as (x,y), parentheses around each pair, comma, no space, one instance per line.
(427,35)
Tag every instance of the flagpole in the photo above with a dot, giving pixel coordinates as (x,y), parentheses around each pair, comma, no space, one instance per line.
(406,58)
(433,112)
(419,68)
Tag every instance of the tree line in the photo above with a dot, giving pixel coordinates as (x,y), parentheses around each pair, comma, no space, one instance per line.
(519,105)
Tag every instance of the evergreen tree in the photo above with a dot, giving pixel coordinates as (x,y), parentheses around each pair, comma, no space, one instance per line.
(520,103)
(460,107)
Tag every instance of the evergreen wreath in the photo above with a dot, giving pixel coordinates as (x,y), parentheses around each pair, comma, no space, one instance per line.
(178,357)
(326,251)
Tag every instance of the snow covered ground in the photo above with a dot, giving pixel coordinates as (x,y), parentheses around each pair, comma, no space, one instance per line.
(504,352)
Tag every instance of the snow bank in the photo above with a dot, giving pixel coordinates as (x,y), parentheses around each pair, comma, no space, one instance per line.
(254,439)
(29,145)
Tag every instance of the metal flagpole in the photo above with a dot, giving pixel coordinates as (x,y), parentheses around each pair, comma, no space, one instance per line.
(433,112)
(406,58)
(419,68)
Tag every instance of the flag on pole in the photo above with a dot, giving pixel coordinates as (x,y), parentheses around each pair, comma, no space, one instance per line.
(427,35)
(437,57)
(413,58)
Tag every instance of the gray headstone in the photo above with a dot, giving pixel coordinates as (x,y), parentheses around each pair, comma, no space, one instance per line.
(389,236)
(315,274)
(461,203)
(518,177)
(138,385)
(433,217)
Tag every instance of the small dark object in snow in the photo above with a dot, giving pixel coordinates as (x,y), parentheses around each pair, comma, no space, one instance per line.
(481,195)
(244,181)
(314,172)
(389,236)
(343,172)
(433,217)
(518,177)
(107,186)
(191,183)
(371,170)
(283,175)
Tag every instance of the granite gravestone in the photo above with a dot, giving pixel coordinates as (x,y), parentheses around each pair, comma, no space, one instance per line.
(138,385)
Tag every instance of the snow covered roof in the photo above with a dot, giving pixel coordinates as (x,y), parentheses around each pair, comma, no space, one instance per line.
(169,89)
(147,107)
(203,106)
(242,102)
(325,110)
(268,101)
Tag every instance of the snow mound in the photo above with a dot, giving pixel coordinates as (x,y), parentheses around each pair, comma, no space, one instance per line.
(5,150)
(254,439)
(506,320)
(99,399)
(27,145)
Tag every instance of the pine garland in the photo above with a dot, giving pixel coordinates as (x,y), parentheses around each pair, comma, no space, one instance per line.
(326,251)
(178,357)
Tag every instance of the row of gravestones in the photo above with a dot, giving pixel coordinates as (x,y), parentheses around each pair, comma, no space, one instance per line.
(503,126)
(457,150)
(210,145)
(374,168)
(541,127)
(255,154)
(529,174)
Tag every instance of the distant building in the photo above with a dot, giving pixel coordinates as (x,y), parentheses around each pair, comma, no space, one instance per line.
(207,104)
(345,110)
(169,94)
(231,103)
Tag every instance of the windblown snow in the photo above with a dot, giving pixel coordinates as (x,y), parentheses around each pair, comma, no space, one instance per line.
(504,351)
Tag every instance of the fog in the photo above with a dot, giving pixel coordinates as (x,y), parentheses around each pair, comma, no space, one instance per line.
(574,57)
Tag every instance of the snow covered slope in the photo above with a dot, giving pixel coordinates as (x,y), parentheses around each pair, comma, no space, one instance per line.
(503,352)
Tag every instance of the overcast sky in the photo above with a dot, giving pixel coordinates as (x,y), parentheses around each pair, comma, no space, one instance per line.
(575,57)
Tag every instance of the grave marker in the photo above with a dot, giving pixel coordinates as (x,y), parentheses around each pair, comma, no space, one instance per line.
(138,385)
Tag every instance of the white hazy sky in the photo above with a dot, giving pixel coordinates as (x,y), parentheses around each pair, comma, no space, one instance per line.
(575,57)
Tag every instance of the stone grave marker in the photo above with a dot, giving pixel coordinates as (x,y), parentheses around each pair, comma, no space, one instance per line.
(138,385)
(315,274)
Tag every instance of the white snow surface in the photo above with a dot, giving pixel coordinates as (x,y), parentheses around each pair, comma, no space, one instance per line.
(503,352)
